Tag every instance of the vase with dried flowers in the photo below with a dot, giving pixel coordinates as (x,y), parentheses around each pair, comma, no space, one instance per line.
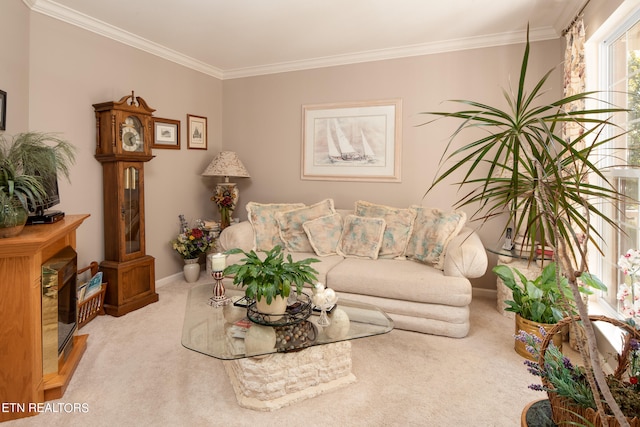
(190,244)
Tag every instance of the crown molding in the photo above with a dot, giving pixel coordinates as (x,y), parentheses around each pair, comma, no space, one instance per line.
(538,34)
(70,16)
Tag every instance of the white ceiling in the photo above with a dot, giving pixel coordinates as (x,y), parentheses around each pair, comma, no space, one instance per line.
(237,38)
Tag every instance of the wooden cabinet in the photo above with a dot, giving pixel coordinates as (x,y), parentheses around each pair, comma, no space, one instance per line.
(21,373)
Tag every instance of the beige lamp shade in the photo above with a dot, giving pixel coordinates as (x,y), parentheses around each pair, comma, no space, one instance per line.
(226,163)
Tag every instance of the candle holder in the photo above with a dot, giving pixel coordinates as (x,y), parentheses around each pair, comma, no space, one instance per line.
(219,299)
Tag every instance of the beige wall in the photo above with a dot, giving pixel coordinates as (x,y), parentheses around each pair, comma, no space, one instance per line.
(14,63)
(597,12)
(53,73)
(262,122)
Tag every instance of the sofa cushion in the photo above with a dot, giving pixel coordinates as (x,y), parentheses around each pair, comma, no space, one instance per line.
(361,237)
(324,233)
(399,225)
(400,280)
(265,226)
(433,229)
(290,223)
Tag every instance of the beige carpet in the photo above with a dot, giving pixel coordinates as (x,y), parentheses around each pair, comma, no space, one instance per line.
(135,372)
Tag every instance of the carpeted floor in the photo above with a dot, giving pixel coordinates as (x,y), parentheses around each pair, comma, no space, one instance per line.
(135,372)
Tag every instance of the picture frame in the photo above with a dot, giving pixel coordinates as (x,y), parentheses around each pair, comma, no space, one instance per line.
(353,141)
(3,110)
(196,132)
(166,134)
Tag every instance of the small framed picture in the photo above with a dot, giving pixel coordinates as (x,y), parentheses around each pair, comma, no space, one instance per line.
(3,110)
(166,134)
(196,132)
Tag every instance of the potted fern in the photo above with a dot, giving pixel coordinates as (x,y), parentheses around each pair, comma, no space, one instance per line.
(270,279)
(24,160)
(522,167)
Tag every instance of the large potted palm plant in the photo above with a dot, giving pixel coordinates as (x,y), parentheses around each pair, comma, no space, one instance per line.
(25,161)
(547,186)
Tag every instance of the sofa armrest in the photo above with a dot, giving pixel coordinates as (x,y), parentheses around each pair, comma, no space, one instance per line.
(238,235)
(465,256)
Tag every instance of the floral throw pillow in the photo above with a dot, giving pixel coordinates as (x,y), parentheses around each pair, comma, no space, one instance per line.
(361,237)
(399,226)
(265,227)
(324,233)
(433,229)
(290,223)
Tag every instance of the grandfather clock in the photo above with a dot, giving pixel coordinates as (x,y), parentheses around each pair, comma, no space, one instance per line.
(123,145)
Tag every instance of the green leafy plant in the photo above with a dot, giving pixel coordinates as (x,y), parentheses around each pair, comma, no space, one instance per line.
(24,160)
(271,275)
(539,299)
(543,299)
(547,186)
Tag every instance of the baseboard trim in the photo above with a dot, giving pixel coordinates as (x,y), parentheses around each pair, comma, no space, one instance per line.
(484,293)
(169,279)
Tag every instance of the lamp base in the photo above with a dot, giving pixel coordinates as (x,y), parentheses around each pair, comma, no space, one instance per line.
(226,198)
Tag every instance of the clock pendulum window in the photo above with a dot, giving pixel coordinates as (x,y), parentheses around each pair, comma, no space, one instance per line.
(123,146)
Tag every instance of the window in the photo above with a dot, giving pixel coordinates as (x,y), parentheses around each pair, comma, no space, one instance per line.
(619,70)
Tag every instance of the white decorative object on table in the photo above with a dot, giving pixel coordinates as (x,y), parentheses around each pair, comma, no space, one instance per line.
(218,262)
(339,326)
(323,298)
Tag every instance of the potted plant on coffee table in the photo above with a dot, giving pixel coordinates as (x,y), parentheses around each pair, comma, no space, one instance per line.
(25,161)
(269,279)
(546,185)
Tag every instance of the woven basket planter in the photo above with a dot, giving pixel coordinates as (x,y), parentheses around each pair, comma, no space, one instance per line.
(564,410)
(533,328)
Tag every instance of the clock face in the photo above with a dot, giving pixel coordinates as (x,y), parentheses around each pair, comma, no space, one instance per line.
(132,134)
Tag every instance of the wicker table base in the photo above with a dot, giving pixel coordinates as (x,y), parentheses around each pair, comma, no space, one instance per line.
(273,381)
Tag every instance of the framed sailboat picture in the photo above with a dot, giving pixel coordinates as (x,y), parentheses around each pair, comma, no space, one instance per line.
(356,141)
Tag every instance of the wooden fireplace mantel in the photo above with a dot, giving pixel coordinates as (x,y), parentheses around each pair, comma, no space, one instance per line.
(21,372)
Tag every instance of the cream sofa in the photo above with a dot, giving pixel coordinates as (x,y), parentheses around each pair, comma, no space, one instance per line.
(419,296)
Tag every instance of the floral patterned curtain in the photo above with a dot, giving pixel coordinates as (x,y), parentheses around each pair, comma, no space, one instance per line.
(574,74)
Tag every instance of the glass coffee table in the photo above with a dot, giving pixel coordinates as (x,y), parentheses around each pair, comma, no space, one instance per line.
(208,330)
(270,378)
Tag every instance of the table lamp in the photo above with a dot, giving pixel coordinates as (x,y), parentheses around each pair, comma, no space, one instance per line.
(226,164)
